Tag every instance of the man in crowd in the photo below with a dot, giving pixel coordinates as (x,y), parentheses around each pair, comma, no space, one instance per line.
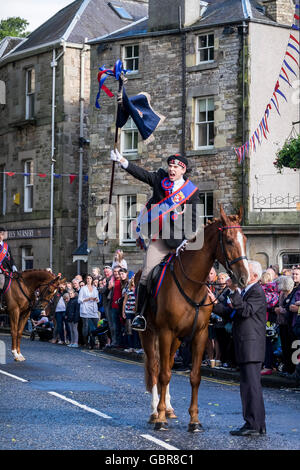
(249,335)
(7,264)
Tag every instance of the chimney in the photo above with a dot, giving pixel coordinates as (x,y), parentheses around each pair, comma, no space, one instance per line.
(281,11)
(167,14)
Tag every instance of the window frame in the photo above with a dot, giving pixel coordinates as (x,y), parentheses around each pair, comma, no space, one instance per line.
(25,257)
(207,216)
(3,190)
(288,252)
(129,128)
(133,57)
(125,218)
(207,122)
(30,83)
(28,186)
(207,47)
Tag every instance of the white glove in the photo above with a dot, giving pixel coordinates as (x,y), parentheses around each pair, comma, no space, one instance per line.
(14,269)
(181,247)
(117,157)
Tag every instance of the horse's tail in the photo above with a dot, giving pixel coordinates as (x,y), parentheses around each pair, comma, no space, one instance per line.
(151,359)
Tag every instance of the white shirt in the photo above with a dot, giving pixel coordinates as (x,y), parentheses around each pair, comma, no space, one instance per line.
(61,306)
(88,309)
(178,184)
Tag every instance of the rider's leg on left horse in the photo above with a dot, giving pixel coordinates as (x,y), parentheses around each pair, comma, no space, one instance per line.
(156,252)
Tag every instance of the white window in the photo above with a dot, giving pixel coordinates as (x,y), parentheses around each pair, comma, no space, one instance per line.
(204,123)
(121,12)
(2,92)
(129,138)
(127,204)
(30,92)
(27,258)
(207,199)
(28,186)
(205,48)
(131,57)
(3,190)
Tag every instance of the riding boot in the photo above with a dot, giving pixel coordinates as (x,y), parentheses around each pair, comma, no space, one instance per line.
(139,323)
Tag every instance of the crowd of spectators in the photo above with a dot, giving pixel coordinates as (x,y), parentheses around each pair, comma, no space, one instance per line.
(282,292)
(94,312)
(98,311)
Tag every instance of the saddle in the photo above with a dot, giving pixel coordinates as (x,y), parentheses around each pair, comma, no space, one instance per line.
(157,275)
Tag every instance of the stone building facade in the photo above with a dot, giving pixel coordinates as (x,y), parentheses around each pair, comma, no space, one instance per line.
(198,75)
(45,86)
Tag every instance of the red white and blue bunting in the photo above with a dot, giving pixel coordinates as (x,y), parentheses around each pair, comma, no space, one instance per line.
(289,64)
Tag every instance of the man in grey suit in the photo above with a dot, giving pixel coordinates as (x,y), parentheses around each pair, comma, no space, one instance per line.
(249,335)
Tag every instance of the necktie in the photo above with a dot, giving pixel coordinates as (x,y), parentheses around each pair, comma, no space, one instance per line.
(243,292)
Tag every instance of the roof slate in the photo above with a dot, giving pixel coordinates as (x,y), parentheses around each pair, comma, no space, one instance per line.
(96,18)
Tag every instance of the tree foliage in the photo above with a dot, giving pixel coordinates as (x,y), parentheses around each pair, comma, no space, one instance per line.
(13,26)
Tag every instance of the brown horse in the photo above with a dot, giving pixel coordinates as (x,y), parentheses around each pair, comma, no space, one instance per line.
(20,299)
(183,308)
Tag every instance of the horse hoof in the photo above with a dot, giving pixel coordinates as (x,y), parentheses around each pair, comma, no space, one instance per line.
(161,426)
(170,414)
(195,427)
(153,418)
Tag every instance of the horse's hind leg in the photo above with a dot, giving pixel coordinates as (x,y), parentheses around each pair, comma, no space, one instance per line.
(198,347)
(149,343)
(165,341)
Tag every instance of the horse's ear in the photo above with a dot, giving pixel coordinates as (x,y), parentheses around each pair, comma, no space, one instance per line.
(223,215)
(240,214)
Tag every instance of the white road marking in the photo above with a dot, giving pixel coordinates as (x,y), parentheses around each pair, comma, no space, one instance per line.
(159,442)
(84,407)
(13,376)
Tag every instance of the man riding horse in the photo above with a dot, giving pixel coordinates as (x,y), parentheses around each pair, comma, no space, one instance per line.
(169,218)
(7,264)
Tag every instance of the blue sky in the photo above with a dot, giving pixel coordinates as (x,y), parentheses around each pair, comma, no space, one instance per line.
(35,12)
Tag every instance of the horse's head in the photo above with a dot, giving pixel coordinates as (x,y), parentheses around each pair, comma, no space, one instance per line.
(48,289)
(232,247)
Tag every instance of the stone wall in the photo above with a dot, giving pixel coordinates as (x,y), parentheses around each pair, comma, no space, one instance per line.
(20,140)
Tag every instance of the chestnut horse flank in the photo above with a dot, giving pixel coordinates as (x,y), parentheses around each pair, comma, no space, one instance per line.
(20,299)
(181,295)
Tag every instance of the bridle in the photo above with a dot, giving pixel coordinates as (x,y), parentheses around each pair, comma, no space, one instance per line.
(32,302)
(228,264)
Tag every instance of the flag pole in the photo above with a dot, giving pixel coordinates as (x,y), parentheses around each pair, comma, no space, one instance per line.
(121,83)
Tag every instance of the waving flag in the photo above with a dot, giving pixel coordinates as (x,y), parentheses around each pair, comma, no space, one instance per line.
(139,109)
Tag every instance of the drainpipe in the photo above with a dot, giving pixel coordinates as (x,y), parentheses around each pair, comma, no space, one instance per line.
(183,81)
(53,65)
(244,33)
(81,143)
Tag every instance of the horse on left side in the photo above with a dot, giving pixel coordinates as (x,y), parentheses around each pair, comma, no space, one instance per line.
(20,298)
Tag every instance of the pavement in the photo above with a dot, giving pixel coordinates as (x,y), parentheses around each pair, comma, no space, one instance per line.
(274,381)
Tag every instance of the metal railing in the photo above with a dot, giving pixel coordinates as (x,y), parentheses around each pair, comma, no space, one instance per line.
(275,202)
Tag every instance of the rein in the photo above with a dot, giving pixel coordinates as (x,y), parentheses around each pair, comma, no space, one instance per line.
(229,271)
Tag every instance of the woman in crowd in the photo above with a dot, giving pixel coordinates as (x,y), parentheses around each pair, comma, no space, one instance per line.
(115,288)
(119,260)
(128,313)
(272,296)
(88,299)
(285,288)
(72,317)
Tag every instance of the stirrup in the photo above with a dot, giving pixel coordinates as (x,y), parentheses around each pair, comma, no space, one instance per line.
(141,323)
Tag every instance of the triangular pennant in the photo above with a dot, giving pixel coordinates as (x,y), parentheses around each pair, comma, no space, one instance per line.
(72,177)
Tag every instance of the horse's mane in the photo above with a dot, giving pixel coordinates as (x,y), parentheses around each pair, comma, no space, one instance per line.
(38,271)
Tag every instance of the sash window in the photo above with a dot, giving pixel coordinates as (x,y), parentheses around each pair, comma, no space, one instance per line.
(28,186)
(205,48)
(129,138)
(127,216)
(207,199)
(27,257)
(30,93)
(204,123)
(131,57)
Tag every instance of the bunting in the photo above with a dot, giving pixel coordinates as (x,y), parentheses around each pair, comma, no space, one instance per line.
(289,66)
(71,177)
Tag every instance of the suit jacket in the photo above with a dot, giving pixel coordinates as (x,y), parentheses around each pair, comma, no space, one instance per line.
(249,324)
(154,180)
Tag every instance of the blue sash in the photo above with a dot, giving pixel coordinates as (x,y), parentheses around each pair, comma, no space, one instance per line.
(158,211)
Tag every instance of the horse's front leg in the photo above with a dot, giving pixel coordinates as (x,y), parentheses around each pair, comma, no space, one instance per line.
(14,320)
(198,346)
(22,322)
(169,409)
(165,341)
(149,343)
